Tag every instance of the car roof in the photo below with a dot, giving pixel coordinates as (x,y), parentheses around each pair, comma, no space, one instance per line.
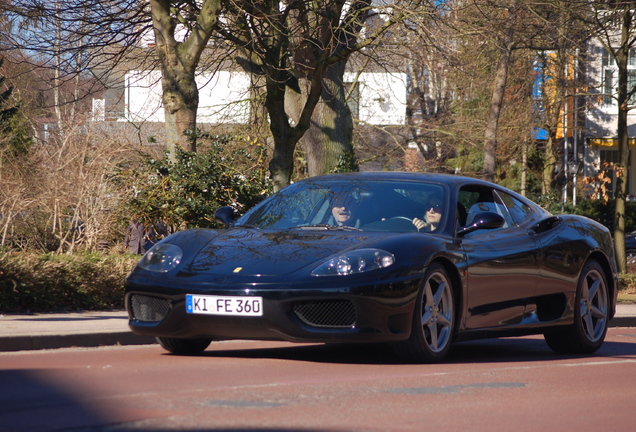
(448,179)
(452,181)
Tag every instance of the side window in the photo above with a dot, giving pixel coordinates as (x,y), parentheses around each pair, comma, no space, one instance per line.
(477,199)
(519,211)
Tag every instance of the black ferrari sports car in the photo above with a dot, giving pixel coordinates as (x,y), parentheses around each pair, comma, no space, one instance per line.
(415,260)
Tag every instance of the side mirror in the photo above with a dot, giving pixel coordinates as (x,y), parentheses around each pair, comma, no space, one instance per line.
(484,220)
(225,215)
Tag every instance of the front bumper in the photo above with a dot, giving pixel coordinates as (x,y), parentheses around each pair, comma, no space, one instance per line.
(361,312)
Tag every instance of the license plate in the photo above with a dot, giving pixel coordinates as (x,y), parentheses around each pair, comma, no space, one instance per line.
(224,305)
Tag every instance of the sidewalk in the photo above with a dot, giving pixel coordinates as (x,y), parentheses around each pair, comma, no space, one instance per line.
(83,329)
(90,329)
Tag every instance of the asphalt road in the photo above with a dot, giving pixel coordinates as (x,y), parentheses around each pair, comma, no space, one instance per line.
(495,385)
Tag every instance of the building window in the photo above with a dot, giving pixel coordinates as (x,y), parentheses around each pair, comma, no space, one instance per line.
(610,61)
(631,85)
(609,156)
(607,59)
(610,77)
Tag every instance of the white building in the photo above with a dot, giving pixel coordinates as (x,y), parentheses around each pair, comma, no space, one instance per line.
(379,98)
(601,116)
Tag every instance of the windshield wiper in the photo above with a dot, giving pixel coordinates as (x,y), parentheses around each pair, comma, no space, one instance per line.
(327,227)
(344,228)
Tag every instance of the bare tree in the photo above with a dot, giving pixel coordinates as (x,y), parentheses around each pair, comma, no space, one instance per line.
(613,24)
(60,197)
(509,26)
(301,49)
(457,53)
(71,39)
(77,36)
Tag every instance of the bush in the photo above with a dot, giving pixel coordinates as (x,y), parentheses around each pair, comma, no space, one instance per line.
(627,282)
(598,211)
(186,192)
(53,283)
(59,198)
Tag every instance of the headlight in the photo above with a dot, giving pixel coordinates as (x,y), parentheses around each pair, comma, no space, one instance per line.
(354,262)
(161,258)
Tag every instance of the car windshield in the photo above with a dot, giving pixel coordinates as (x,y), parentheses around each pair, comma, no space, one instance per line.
(398,206)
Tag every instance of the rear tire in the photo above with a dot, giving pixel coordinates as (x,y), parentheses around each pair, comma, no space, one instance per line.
(184,346)
(433,319)
(591,315)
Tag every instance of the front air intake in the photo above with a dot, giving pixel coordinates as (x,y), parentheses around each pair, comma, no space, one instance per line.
(327,313)
(149,309)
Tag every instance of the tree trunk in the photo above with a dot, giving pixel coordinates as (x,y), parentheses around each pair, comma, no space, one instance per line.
(318,107)
(56,77)
(623,143)
(180,104)
(283,105)
(554,105)
(549,162)
(179,61)
(281,166)
(496,102)
(328,141)
(524,168)
(621,175)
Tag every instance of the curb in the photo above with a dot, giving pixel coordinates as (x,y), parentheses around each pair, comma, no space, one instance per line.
(85,340)
(25,342)
(623,321)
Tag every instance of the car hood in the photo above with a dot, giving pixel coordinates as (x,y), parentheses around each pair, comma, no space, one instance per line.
(247,251)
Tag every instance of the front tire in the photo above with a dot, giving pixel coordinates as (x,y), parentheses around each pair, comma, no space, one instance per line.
(433,319)
(591,315)
(184,346)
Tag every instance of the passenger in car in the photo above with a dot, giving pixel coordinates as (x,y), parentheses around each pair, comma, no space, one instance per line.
(432,216)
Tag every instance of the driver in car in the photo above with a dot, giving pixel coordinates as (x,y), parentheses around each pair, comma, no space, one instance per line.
(342,212)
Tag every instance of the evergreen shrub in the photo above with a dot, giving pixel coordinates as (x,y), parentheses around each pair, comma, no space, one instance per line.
(186,192)
(51,282)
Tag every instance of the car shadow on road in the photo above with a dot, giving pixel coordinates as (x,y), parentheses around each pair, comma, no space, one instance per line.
(482,351)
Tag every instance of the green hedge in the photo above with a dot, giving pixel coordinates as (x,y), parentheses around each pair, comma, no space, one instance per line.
(603,213)
(55,283)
